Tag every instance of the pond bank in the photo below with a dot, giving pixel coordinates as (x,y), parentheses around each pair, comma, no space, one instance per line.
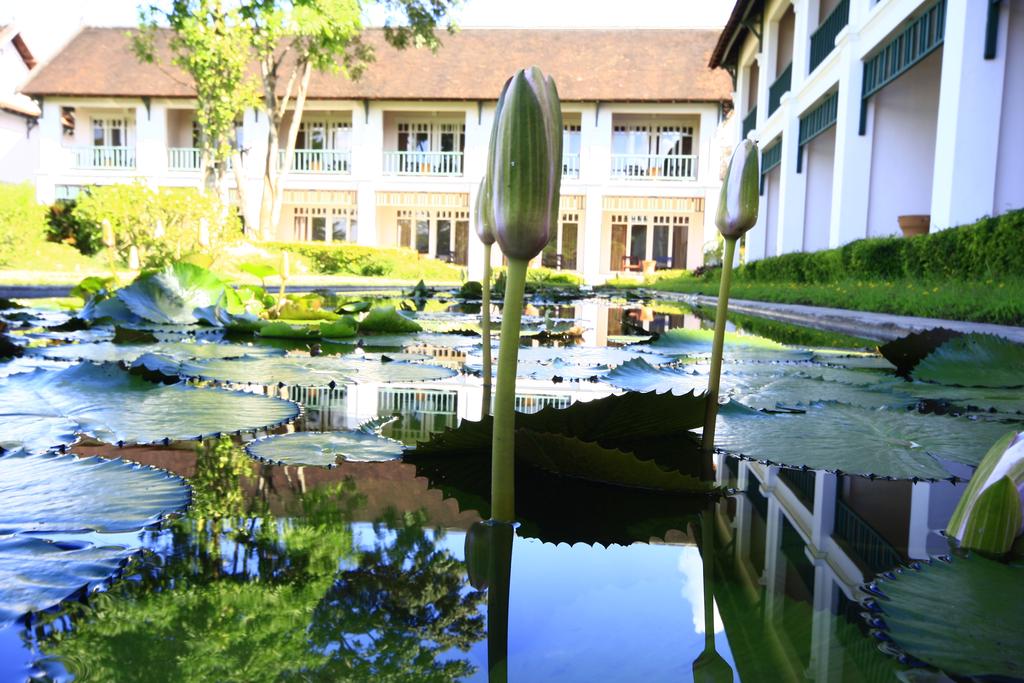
(877,326)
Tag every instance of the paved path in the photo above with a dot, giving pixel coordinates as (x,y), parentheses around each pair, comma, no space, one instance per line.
(877,326)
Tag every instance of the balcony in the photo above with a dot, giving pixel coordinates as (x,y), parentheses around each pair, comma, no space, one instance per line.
(779,88)
(872,549)
(423,163)
(319,161)
(823,40)
(570,165)
(88,157)
(749,121)
(654,166)
(183,158)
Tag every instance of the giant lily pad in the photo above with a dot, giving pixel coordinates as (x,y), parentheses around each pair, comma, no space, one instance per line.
(172,295)
(797,391)
(906,352)
(107,403)
(325,449)
(311,371)
(974,360)
(680,342)
(837,437)
(581,356)
(982,632)
(108,352)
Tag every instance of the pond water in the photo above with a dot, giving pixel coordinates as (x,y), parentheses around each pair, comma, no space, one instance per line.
(357,572)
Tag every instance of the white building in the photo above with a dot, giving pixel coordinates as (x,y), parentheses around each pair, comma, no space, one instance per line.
(395,158)
(867,110)
(19,139)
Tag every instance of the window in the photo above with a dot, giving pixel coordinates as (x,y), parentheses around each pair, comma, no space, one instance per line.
(560,251)
(639,238)
(413,137)
(109,133)
(444,234)
(324,133)
(324,224)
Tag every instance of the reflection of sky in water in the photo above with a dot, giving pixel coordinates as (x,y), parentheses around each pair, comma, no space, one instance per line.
(692,568)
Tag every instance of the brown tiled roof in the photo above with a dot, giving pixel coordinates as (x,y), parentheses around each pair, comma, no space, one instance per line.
(724,53)
(642,65)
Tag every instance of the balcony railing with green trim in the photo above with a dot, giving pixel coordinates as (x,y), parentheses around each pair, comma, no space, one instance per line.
(918,40)
(817,121)
(823,40)
(749,121)
(779,88)
(802,483)
(869,546)
(771,156)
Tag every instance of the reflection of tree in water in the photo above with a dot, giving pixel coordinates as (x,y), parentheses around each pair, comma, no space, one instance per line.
(224,597)
(403,605)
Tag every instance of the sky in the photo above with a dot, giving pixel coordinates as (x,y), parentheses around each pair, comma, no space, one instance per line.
(47,24)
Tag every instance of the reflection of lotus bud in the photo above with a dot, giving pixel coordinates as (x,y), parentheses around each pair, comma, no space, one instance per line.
(133,258)
(283,270)
(737,205)
(525,172)
(158,231)
(204,233)
(484,214)
(989,514)
(488,552)
(108,235)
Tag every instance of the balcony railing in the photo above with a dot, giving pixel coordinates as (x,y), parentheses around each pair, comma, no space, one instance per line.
(654,166)
(874,551)
(183,158)
(823,40)
(103,157)
(779,88)
(320,160)
(423,163)
(570,165)
(802,483)
(749,121)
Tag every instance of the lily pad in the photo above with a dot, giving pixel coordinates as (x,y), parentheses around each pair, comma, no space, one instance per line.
(582,356)
(109,404)
(883,443)
(105,352)
(386,320)
(906,352)
(311,371)
(988,400)
(681,342)
(639,375)
(984,633)
(796,392)
(172,295)
(325,449)
(974,360)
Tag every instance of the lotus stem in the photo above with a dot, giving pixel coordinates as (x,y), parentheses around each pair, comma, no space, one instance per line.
(711,411)
(503,443)
(498,604)
(485,331)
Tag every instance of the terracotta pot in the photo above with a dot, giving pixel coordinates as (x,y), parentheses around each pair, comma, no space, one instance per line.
(913,225)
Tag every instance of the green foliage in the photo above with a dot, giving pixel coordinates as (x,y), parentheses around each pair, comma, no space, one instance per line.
(22,220)
(135,211)
(63,225)
(220,466)
(353,259)
(974,360)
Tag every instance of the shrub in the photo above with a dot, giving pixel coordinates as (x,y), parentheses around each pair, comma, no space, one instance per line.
(62,225)
(135,211)
(22,219)
(332,259)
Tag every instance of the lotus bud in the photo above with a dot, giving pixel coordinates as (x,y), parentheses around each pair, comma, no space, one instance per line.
(738,203)
(109,241)
(204,233)
(133,258)
(484,214)
(284,270)
(158,231)
(525,172)
(989,514)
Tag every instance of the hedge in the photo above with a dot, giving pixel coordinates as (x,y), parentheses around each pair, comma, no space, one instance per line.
(355,259)
(991,248)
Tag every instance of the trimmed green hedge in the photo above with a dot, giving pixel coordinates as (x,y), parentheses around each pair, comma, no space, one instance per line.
(990,248)
(354,259)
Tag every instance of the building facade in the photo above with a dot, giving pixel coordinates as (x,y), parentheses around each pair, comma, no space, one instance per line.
(19,137)
(395,158)
(868,110)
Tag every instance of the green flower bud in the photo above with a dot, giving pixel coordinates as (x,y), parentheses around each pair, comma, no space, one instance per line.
(737,205)
(484,214)
(488,551)
(525,168)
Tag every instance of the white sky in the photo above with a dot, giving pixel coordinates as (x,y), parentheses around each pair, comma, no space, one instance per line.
(47,24)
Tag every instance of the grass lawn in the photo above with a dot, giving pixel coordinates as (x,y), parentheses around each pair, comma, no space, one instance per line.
(989,301)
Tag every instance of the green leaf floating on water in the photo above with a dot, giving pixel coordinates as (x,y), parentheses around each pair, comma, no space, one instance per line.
(109,404)
(311,371)
(906,352)
(963,616)
(104,352)
(974,360)
(171,296)
(698,342)
(387,320)
(836,437)
(325,449)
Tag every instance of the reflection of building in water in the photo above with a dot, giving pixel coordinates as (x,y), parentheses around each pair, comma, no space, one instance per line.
(422,411)
(801,544)
(323,407)
(447,356)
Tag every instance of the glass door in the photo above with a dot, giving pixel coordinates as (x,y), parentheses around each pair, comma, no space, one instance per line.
(618,247)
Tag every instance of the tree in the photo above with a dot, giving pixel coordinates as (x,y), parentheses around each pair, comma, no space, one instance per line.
(292,38)
(210,42)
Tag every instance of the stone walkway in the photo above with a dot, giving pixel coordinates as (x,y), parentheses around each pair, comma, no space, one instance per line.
(878,326)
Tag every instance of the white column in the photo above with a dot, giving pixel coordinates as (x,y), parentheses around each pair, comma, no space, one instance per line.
(708,152)
(367,165)
(150,141)
(792,186)
(805,21)
(774,562)
(52,158)
(255,129)
(824,518)
(595,170)
(970,93)
(851,175)
(478,135)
